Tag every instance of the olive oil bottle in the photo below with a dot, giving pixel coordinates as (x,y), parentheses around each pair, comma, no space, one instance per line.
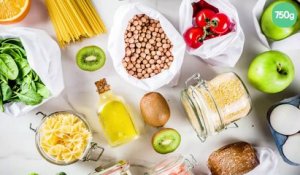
(114,116)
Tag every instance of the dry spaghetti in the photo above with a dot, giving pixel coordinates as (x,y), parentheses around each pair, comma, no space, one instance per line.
(74,20)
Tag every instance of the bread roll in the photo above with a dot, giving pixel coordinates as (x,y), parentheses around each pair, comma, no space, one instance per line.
(234,159)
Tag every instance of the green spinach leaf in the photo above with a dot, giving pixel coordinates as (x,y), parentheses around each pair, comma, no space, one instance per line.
(21,62)
(1,103)
(8,67)
(42,90)
(30,97)
(6,91)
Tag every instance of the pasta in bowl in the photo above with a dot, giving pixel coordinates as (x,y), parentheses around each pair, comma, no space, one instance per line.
(64,138)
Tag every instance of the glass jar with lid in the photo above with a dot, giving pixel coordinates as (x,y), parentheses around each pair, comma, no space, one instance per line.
(120,168)
(212,105)
(64,138)
(176,165)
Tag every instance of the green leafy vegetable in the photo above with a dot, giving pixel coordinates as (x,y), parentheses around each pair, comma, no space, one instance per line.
(30,97)
(6,91)
(8,67)
(42,90)
(1,103)
(18,82)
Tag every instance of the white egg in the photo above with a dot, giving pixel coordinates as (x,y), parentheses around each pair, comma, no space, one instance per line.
(291,148)
(285,119)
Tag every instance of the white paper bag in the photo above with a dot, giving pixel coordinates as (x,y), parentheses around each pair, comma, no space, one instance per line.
(44,57)
(116,47)
(289,43)
(220,51)
(267,162)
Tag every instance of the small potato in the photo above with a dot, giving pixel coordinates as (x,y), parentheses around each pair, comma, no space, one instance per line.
(155,109)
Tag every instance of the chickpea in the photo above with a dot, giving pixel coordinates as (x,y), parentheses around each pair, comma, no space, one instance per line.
(148,49)
(138,45)
(132,28)
(131,73)
(149,70)
(124,64)
(130,66)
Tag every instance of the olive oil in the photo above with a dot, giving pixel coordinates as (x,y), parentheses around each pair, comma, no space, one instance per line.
(114,116)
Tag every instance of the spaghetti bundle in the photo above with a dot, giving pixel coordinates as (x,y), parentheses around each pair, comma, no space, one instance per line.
(74,20)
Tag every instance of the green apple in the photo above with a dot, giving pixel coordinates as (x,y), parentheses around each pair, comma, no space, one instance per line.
(273,31)
(271,72)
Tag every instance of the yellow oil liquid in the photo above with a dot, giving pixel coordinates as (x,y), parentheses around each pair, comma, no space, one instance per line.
(117,123)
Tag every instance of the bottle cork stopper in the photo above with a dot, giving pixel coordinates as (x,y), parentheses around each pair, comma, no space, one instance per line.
(102,86)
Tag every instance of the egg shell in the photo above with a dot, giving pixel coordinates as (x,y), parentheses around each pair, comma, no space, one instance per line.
(291,148)
(285,119)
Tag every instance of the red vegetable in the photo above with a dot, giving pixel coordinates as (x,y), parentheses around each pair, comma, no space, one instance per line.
(203,17)
(194,37)
(220,23)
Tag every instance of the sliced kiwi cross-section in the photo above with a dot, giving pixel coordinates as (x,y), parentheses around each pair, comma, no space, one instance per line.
(90,58)
(166,140)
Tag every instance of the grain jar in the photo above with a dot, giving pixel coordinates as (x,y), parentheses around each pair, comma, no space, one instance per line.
(213,105)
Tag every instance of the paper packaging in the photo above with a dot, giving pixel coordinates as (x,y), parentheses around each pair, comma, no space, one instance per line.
(116,47)
(220,51)
(289,43)
(44,57)
(267,162)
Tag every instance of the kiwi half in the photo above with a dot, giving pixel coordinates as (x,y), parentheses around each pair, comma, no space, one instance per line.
(166,140)
(90,58)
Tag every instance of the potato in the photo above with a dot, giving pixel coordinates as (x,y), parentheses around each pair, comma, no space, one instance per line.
(155,109)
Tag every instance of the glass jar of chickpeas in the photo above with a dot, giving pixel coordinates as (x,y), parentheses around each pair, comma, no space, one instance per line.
(213,105)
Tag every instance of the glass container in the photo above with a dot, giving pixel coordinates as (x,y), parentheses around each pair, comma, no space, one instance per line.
(176,165)
(121,168)
(91,151)
(212,105)
(114,116)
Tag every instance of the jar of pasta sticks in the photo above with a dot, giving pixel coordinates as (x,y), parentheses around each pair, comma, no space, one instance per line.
(212,105)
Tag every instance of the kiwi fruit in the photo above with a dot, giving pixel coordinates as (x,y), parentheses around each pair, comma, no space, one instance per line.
(90,58)
(166,140)
(155,109)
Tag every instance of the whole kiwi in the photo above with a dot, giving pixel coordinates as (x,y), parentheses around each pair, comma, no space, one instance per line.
(155,109)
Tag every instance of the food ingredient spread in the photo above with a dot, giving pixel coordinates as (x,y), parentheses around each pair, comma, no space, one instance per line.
(114,116)
(147,48)
(64,137)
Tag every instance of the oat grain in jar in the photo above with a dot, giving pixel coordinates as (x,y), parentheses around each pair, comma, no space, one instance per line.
(213,105)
